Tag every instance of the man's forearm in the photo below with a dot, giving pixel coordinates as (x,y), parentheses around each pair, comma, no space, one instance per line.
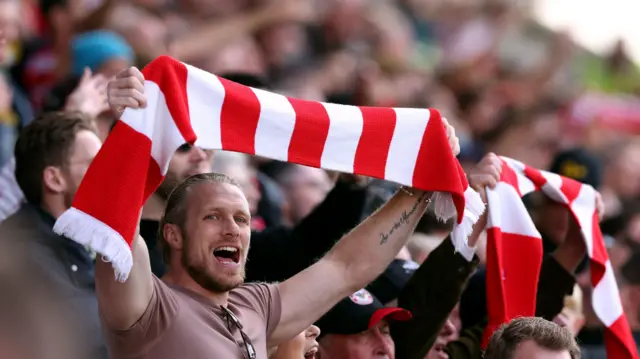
(217,34)
(371,246)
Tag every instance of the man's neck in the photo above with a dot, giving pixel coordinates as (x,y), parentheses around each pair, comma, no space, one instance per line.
(154,208)
(182,279)
(53,209)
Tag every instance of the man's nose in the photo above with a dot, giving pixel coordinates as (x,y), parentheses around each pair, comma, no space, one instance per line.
(196,154)
(448,328)
(313,332)
(384,346)
(231,228)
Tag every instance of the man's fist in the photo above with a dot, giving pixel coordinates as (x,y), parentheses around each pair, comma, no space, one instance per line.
(485,174)
(127,90)
(454,142)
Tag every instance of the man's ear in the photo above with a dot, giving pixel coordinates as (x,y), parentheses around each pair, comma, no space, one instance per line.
(172,236)
(53,180)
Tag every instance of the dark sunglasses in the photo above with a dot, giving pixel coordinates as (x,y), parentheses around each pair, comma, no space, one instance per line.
(248,346)
(187,147)
(184,148)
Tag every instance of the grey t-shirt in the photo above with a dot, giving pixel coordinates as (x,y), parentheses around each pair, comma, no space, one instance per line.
(179,323)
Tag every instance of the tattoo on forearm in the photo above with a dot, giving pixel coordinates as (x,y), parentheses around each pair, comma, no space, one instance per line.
(404,219)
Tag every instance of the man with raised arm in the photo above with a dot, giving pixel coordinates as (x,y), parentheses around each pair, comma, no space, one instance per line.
(201,308)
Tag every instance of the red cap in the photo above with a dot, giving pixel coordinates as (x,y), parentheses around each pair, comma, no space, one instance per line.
(393,313)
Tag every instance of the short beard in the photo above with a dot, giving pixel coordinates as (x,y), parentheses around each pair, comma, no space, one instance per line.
(200,276)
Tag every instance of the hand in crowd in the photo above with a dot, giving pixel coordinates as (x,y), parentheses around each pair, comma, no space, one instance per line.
(570,319)
(90,96)
(127,90)
(454,142)
(485,174)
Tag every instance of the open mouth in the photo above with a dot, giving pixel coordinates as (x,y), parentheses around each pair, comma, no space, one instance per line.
(439,348)
(227,255)
(311,353)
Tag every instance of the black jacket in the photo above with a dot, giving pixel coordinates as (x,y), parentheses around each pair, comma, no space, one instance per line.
(64,267)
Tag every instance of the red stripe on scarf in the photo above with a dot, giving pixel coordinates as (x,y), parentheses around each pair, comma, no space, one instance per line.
(373,148)
(240,102)
(309,134)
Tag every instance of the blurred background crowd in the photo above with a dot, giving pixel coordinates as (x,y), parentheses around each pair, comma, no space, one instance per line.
(507,84)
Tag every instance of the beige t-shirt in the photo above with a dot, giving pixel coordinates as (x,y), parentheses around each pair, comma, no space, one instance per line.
(180,324)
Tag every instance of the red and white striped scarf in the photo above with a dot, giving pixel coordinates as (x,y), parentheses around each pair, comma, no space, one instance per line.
(188,105)
(514,252)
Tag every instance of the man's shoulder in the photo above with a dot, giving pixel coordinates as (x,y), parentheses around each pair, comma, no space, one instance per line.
(255,295)
(22,224)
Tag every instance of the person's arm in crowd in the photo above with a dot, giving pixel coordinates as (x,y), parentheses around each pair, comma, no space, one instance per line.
(97,18)
(211,37)
(357,259)
(298,248)
(436,287)
(122,304)
(430,295)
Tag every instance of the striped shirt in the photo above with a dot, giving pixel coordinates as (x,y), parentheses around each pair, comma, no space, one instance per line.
(11,197)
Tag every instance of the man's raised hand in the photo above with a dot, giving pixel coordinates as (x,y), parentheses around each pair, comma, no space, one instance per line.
(126,90)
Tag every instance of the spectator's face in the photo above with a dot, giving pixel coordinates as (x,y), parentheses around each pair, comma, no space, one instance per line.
(303,345)
(375,343)
(307,188)
(553,220)
(10,20)
(447,334)
(216,236)
(85,148)
(114,66)
(626,172)
(284,44)
(187,161)
(530,350)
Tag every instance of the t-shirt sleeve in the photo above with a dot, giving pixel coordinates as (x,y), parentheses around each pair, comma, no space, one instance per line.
(265,298)
(160,312)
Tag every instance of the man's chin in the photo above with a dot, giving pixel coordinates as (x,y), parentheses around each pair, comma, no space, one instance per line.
(216,284)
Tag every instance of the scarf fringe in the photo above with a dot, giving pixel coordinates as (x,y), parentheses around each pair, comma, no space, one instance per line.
(92,233)
(474,208)
(443,206)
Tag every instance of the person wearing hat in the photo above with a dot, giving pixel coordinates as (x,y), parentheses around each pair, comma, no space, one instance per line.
(358,327)
(104,52)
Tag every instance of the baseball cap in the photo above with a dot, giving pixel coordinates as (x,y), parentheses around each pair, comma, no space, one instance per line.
(389,284)
(357,313)
(579,164)
(93,49)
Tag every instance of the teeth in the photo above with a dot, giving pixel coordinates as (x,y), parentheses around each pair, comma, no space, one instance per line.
(229,249)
